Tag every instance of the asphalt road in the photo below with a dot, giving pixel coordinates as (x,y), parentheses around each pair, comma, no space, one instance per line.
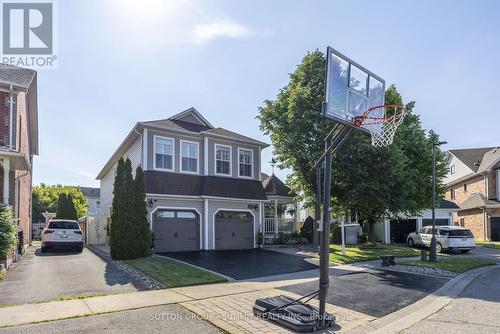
(162,319)
(476,310)
(245,264)
(375,293)
(49,276)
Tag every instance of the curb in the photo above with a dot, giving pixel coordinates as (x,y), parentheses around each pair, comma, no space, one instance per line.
(425,307)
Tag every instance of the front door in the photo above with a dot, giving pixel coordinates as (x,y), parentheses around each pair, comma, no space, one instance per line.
(495,228)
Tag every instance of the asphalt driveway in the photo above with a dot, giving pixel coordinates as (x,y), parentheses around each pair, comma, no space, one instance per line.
(50,276)
(376,293)
(244,264)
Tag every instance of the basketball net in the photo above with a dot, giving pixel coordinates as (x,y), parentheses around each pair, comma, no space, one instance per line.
(382,122)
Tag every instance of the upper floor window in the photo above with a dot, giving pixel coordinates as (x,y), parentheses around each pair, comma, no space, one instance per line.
(452,193)
(164,153)
(452,169)
(465,187)
(223,159)
(246,162)
(189,157)
(98,204)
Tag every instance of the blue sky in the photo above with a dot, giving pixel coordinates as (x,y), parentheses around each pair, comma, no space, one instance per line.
(126,61)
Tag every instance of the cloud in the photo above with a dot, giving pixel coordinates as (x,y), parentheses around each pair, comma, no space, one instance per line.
(210,31)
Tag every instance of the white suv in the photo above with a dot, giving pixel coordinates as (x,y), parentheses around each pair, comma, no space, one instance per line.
(62,234)
(447,238)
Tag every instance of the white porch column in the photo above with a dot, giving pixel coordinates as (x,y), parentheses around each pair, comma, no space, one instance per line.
(276,216)
(6,172)
(205,224)
(387,231)
(419,223)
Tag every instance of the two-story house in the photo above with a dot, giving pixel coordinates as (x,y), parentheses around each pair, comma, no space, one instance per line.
(473,182)
(203,183)
(18,144)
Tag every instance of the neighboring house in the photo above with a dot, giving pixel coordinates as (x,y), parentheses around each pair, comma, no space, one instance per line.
(203,183)
(18,144)
(93,196)
(473,182)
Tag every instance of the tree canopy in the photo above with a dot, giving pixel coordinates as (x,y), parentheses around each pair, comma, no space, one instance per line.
(45,198)
(372,182)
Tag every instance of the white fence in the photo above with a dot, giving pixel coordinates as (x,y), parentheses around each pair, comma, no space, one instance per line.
(274,226)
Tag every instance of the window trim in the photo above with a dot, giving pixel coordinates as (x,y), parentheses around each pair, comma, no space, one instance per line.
(239,163)
(452,169)
(182,141)
(230,159)
(453,194)
(154,153)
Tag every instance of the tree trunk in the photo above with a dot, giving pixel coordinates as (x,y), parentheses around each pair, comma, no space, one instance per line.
(371,231)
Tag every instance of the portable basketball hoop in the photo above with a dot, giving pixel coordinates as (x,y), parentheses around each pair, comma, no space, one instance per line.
(382,129)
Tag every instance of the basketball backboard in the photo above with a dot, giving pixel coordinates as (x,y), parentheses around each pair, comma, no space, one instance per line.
(350,90)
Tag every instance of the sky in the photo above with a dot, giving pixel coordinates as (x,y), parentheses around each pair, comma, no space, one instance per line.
(126,61)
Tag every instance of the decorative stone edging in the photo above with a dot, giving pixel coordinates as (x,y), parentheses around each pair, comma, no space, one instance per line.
(422,270)
(138,277)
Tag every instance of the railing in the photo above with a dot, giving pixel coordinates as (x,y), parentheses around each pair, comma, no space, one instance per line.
(274,226)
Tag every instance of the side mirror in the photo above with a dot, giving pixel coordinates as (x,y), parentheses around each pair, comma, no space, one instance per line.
(416,232)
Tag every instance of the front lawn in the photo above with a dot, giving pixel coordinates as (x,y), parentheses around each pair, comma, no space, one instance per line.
(366,253)
(488,244)
(457,265)
(173,274)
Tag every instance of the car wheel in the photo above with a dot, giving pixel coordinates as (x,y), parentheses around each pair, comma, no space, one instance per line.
(411,243)
(439,248)
(465,251)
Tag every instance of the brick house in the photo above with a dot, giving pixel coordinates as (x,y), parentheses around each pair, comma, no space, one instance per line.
(473,182)
(18,144)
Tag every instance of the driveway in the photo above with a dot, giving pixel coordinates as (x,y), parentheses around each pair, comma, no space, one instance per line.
(244,264)
(480,253)
(49,276)
(376,292)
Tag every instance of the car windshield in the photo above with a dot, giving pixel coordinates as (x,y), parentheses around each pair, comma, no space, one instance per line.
(66,225)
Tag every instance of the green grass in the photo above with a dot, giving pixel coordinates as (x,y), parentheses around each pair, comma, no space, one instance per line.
(489,244)
(457,265)
(83,296)
(174,274)
(367,253)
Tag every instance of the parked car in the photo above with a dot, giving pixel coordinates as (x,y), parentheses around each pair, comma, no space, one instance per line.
(447,238)
(62,233)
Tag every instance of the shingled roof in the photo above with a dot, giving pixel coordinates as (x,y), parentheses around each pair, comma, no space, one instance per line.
(275,187)
(91,192)
(16,76)
(471,157)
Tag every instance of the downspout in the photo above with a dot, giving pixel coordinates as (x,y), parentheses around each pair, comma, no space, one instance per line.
(11,117)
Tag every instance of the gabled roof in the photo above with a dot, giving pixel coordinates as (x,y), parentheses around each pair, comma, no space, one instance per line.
(176,125)
(235,136)
(275,187)
(91,192)
(478,200)
(471,157)
(490,158)
(16,76)
(192,115)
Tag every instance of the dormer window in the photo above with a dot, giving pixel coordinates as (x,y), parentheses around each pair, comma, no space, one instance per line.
(164,153)
(222,159)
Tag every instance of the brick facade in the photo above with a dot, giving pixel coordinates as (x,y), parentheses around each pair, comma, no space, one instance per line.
(464,189)
(474,221)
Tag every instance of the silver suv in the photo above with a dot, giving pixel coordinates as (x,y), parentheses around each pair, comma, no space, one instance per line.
(447,238)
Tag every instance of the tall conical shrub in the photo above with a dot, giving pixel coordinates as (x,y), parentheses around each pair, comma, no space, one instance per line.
(142,229)
(70,207)
(62,206)
(117,210)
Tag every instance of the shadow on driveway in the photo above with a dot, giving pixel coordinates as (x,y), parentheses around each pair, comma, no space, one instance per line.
(375,293)
(244,264)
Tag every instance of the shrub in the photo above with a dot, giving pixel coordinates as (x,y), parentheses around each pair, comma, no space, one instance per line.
(8,231)
(307,229)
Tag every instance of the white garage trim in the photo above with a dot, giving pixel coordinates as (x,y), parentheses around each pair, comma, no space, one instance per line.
(182,209)
(234,210)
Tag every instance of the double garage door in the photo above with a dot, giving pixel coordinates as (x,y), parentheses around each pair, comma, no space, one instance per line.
(179,230)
